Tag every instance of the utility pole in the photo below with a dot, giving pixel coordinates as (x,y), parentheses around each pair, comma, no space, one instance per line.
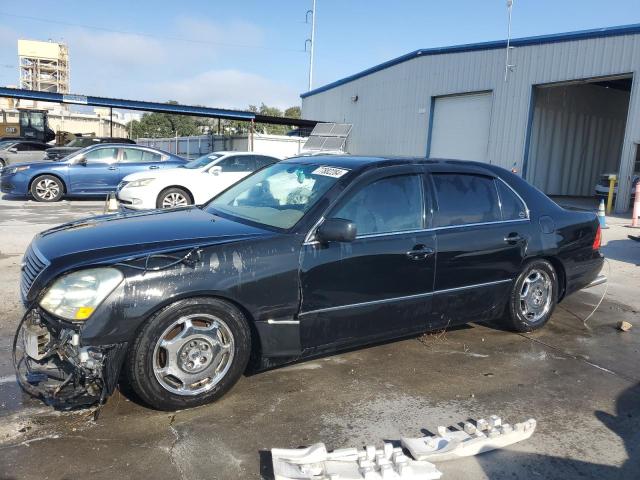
(508,67)
(311,41)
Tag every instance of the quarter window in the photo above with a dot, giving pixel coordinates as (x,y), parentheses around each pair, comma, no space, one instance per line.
(464,199)
(512,206)
(388,205)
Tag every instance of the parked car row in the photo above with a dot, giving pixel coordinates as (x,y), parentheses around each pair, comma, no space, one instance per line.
(91,171)
(142,177)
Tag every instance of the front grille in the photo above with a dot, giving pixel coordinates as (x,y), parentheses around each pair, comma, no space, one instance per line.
(33,263)
(6,187)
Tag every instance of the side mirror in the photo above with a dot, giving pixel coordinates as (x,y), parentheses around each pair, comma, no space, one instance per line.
(336,230)
(13,150)
(215,170)
(82,161)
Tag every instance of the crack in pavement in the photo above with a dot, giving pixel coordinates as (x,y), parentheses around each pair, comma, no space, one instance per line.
(581,359)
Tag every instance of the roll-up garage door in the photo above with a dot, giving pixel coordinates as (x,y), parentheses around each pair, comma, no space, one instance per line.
(460,127)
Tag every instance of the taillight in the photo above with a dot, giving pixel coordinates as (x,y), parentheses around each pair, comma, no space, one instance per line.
(598,240)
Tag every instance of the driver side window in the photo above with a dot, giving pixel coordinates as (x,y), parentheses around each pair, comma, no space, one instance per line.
(388,205)
(101,155)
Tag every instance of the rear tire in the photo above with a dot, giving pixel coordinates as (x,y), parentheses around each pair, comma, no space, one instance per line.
(174,197)
(189,353)
(47,188)
(2,163)
(533,298)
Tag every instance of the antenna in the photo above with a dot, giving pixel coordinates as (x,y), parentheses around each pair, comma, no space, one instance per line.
(311,41)
(507,66)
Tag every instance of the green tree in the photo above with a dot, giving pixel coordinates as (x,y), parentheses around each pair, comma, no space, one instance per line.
(160,125)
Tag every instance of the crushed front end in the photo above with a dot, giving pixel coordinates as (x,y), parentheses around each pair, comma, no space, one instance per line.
(51,363)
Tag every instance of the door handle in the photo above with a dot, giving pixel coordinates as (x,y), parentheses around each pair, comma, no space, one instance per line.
(420,252)
(154,167)
(513,238)
(113,168)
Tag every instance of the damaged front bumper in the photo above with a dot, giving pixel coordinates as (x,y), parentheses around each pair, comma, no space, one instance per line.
(51,363)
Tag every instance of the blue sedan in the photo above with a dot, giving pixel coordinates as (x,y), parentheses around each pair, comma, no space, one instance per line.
(92,171)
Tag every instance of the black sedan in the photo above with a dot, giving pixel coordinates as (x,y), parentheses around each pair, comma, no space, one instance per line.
(304,257)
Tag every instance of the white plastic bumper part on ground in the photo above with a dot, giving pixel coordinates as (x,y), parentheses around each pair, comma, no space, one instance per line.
(316,463)
(481,437)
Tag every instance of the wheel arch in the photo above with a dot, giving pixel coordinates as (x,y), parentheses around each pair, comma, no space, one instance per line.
(256,344)
(38,175)
(558,266)
(181,187)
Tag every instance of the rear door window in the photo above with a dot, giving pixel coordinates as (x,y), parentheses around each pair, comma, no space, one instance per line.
(512,207)
(237,163)
(151,157)
(132,155)
(464,199)
(262,161)
(388,205)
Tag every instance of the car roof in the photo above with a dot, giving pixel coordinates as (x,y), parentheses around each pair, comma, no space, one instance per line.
(233,152)
(353,162)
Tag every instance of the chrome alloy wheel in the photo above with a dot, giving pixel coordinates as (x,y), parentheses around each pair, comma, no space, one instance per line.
(193,354)
(536,294)
(174,199)
(47,189)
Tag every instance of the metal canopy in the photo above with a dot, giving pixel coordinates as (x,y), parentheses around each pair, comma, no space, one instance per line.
(152,107)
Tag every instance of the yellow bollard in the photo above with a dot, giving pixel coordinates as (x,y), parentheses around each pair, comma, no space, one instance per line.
(612,184)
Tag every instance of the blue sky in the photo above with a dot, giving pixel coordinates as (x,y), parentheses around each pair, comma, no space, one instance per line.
(231,54)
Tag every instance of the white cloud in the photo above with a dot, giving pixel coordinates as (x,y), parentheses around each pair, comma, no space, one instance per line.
(226,89)
(113,50)
(206,69)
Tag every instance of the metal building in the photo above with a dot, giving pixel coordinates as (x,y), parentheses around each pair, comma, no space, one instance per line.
(44,66)
(565,112)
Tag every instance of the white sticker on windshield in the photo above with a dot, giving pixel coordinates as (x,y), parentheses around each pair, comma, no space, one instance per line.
(330,172)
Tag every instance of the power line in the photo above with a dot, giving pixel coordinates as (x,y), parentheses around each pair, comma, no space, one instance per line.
(149,35)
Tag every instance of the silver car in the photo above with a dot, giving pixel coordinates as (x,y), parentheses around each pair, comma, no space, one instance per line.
(21,151)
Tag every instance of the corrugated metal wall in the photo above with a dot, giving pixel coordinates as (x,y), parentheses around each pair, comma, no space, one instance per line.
(576,136)
(391,115)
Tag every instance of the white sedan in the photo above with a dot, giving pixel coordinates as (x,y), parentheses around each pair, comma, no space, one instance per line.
(193,183)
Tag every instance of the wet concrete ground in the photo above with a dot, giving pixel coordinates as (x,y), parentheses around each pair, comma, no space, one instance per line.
(581,383)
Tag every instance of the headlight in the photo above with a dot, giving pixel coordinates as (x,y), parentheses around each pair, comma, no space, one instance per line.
(76,295)
(13,170)
(140,183)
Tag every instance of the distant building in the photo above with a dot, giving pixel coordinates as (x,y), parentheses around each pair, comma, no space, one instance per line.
(560,109)
(44,66)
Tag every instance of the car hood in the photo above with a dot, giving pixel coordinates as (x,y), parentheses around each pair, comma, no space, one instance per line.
(111,238)
(34,165)
(171,172)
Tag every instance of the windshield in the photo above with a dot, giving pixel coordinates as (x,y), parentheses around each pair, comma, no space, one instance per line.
(6,144)
(81,142)
(202,161)
(278,195)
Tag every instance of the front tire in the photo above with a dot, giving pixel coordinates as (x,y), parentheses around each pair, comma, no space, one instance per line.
(47,188)
(533,298)
(189,353)
(173,197)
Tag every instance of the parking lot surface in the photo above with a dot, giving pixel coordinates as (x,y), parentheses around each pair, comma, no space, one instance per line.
(580,382)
